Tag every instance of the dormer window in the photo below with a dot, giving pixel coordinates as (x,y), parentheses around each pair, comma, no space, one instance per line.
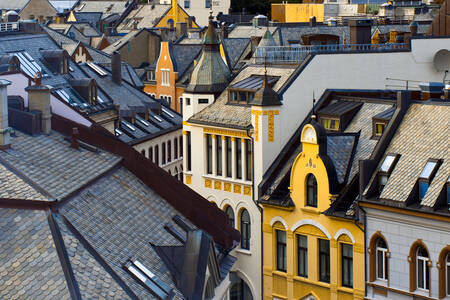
(330,124)
(311,190)
(448,202)
(338,114)
(380,121)
(151,75)
(379,128)
(426,176)
(244,97)
(244,91)
(386,169)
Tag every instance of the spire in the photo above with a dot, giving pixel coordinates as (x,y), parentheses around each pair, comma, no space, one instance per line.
(266,96)
(211,37)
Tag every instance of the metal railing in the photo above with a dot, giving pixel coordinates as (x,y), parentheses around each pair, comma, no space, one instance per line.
(296,54)
(9,26)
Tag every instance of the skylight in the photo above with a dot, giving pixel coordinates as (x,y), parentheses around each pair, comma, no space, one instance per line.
(148,279)
(142,121)
(167,112)
(27,63)
(81,6)
(96,69)
(429,167)
(157,118)
(129,126)
(387,163)
(63,94)
(100,99)
(118,132)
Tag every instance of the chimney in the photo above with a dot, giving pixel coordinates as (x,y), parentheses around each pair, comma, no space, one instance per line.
(74,140)
(312,21)
(360,31)
(4,129)
(225,31)
(431,90)
(116,68)
(181,29)
(39,99)
(403,100)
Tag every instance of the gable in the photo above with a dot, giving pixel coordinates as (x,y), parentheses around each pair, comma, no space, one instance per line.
(37,8)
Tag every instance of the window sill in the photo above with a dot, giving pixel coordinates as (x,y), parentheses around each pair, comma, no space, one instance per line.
(345,289)
(311,210)
(280,273)
(244,251)
(227,179)
(309,281)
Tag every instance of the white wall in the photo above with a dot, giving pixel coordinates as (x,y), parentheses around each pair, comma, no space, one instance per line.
(201,13)
(401,231)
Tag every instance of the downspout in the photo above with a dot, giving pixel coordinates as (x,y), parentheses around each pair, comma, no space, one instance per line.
(259,207)
(365,238)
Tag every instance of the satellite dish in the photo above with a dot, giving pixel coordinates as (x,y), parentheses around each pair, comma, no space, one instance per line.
(441,60)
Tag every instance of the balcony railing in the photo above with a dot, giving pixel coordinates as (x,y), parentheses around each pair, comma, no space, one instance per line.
(296,54)
(9,26)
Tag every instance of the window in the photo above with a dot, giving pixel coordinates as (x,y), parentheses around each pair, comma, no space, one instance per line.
(385,170)
(426,176)
(248,159)
(379,128)
(203,101)
(163,152)
(381,259)
(447,270)
(207,3)
(324,260)
(208,154)
(347,265)
(169,151)
(302,255)
(230,213)
(228,156)
(238,147)
(311,190)
(187,4)
(180,140)
(330,124)
(175,148)
(148,278)
(151,75)
(157,155)
(165,77)
(188,150)
(240,96)
(219,155)
(245,229)
(423,270)
(143,152)
(169,100)
(181,105)
(281,250)
(188,101)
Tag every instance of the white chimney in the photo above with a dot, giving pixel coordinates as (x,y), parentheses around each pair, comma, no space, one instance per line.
(4,125)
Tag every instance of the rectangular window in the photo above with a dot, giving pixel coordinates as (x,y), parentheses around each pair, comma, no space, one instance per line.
(203,101)
(324,260)
(330,124)
(180,139)
(187,4)
(150,153)
(157,155)
(238,159)
(163,152)
(228,156)
(175,148)
(248,159)
(207,3)
(302,255)
(347,265)
(208,154)
(281,250)
(188,150)
(381,263)
(423,274)
(188,101)
(169,151)
(379,128)
(219,155)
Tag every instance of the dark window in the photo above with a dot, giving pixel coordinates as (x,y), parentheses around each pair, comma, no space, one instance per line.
(311,190)
(347,265)
(143,152)
(448,193)
(187,4)
(219,155)
(157,155)
(180,139)
(188,144)
(330,124)
(203,101)
(426,176)
(150,153)
(248,159)
(379,128)
(188,101)
(209,154)
(163,152)
(207,3)
(423,270)
(169,151)
(238,159)
(447,267)
(281,250)
(324,260)
(302,255)
(245,229)
(175,148)
(181,105)
(230,213)
(228,156)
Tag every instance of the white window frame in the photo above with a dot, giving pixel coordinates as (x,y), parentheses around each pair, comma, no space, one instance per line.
(165,77)
(425,266)
(384,251)
(447,273)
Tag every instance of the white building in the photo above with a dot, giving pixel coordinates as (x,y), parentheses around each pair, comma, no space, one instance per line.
(227,135)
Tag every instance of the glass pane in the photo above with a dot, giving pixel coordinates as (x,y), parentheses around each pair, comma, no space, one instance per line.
(422,252)
(281,236)
(420,283)
(429,167)
(427,276)
(380,260)
(347,250)
(448,276)
(387,163)
(381,243)
(423,187)
(303,241)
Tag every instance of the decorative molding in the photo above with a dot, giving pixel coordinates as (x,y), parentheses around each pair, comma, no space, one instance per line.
(217,185)
(226,132)
(188,179)
(257,114)
(247,190)
(227,187)
(236,188)
(279,219)
(313,223)
(208,183)
(346,232)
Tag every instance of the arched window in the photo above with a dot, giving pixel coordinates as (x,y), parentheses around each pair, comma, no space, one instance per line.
(378,258)
(381,252)
(423,270)
(447,271)
(443,266)
(311,191)
(230,213)
(245,229)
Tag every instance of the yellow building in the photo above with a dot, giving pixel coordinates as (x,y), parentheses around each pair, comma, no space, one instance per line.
(174,15)
(308,253)
(297,12)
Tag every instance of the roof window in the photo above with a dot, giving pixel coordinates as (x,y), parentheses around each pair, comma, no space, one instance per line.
(27,64)
(426,176)
(386,169)
(118,132)
(148,279)
(96,69)
(338,114)
(244,91)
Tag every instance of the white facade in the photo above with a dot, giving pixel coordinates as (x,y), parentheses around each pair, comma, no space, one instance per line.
(200,10)
(400,232)
(325,71)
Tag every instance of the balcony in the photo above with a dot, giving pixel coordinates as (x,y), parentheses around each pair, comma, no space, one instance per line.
(296,54)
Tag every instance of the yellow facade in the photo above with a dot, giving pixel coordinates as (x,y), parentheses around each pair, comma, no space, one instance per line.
(297,12)
(175,15)
(312,223)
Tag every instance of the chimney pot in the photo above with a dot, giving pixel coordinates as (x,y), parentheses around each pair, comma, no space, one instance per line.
(4,123)
(39,99)
(116,68)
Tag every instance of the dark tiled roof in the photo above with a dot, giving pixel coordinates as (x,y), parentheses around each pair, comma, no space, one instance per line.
(339,107)
(88,17)
(12,186)
(234,47)
(183,56)
(340,150)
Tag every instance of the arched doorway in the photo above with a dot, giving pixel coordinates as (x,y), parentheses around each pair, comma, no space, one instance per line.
(239,289)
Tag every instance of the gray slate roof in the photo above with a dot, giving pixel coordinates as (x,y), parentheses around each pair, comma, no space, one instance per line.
(146,16)
(234,48)
(105,7)
(13,186)
(12,5)
(88,17)
(340,150)
(183,56)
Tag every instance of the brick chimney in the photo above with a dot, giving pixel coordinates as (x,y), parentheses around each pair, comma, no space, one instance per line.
(39,99)
(4,124)
(116,68)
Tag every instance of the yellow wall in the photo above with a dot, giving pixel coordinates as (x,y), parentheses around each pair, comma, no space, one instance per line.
(297,12)
(177,14)
(311,222)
